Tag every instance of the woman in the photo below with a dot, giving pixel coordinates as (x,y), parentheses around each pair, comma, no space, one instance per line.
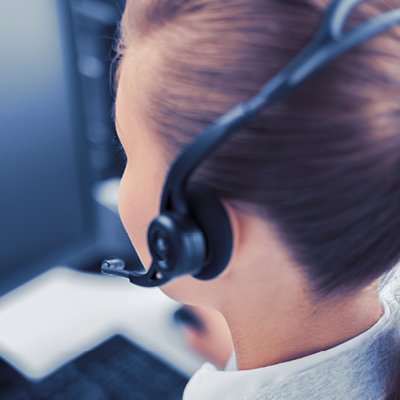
(311,187)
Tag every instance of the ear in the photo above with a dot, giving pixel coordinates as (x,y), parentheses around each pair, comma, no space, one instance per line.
(256,243)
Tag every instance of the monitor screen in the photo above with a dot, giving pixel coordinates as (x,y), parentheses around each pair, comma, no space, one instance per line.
(45,202)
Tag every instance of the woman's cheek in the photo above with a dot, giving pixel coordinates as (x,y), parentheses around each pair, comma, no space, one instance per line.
(133,218)
(123,206)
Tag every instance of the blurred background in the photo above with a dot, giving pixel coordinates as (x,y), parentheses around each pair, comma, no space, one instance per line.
(59,178)
(57,132)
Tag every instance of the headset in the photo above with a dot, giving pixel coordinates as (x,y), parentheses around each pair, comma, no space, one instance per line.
(192,235)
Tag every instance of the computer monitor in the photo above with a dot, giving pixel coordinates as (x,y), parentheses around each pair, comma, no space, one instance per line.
(46,208)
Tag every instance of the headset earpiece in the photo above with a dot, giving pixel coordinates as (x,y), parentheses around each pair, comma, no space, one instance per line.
(176,244)
(198,243)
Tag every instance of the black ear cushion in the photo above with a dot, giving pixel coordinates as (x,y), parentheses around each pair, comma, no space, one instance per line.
(209,213)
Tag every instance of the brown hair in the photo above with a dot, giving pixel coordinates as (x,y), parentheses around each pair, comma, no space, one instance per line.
(324,165)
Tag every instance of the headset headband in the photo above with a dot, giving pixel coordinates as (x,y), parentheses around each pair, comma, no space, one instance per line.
(328,43)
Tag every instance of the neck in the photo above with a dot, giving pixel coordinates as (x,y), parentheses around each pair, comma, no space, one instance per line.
(299,327)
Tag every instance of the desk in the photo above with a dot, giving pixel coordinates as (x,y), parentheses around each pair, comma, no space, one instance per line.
(63,312)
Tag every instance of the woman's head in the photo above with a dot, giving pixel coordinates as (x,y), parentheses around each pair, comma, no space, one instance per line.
(323,168)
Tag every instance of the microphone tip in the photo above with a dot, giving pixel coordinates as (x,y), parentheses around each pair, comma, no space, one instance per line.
(112,263)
